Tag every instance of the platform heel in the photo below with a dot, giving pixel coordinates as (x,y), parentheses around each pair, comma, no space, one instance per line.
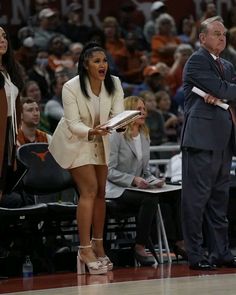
(94,267)
(105,260)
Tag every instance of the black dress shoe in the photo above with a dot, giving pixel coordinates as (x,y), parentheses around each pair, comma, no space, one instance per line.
(202,265)
(230,264)
(144,260)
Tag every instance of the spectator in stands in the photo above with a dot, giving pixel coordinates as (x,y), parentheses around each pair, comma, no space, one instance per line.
(127,24)
(231,17)
(38,6)
(171,121)
(40,73)
(163,69)
(165,41)
(24,74)
(131,61)
(58,57)
(157,8)
(188,31)
(73,26)
(155,123)
(174,77)
(113,42)
(128,167)
(178,100)
(75,51)
(10,86)
(48,23)
(31,89)
(230,51)
(54,108)
(30,118)
(154,118)
(80,145)
(26,53)
(208,10)
(153,81)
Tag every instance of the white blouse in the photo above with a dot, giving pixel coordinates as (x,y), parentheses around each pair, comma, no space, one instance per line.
(138,146)
(96,104)
(11,94)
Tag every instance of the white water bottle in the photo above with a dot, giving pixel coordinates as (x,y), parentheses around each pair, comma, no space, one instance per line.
(27,268)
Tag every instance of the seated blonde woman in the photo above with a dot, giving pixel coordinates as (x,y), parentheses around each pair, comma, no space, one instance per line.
(128,166)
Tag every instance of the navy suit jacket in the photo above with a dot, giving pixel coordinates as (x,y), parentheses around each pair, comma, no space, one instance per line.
(206,126)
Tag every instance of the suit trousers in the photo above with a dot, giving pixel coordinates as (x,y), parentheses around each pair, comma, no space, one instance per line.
(205,194)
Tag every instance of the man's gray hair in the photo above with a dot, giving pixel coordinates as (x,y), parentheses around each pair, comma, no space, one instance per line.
(204,25)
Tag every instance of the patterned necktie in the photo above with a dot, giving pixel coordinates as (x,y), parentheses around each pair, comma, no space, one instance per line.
(220,65)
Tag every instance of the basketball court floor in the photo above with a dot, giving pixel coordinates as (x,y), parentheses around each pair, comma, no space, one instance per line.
(167,279)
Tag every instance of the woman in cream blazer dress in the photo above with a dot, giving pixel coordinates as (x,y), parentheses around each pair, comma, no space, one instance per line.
(81,145)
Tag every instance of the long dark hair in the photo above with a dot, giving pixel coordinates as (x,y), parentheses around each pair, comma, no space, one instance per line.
(86,53)
(11,66)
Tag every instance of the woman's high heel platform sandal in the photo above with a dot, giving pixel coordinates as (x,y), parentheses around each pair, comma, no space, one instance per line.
(94,268)
(105,260)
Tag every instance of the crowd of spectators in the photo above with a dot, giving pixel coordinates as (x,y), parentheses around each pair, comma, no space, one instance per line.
(148,58)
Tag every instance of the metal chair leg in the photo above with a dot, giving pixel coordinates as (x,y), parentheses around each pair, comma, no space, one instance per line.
(159,237)
(152,250)
(163,234)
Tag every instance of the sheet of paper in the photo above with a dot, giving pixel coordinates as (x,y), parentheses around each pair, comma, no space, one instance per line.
(201,93)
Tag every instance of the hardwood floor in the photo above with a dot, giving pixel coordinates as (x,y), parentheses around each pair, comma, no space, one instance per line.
(164,279)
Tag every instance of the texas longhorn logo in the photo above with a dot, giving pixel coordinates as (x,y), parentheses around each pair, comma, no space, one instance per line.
(42,156)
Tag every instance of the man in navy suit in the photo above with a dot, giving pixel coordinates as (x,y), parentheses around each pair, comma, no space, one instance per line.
(208,143)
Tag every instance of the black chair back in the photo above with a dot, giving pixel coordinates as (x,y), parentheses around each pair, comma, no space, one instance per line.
(44,175)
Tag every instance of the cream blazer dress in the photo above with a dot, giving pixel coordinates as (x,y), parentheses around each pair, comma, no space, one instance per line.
(70,145)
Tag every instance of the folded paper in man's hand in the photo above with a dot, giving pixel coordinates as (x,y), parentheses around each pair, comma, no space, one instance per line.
(201,93)
(121,120)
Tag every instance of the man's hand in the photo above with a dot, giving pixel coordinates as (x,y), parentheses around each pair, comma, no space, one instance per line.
(211,99)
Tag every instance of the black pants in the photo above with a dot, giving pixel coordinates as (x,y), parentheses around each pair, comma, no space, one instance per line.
(145,205)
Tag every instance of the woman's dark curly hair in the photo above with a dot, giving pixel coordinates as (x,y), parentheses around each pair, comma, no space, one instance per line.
(11,66)
(86,53)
